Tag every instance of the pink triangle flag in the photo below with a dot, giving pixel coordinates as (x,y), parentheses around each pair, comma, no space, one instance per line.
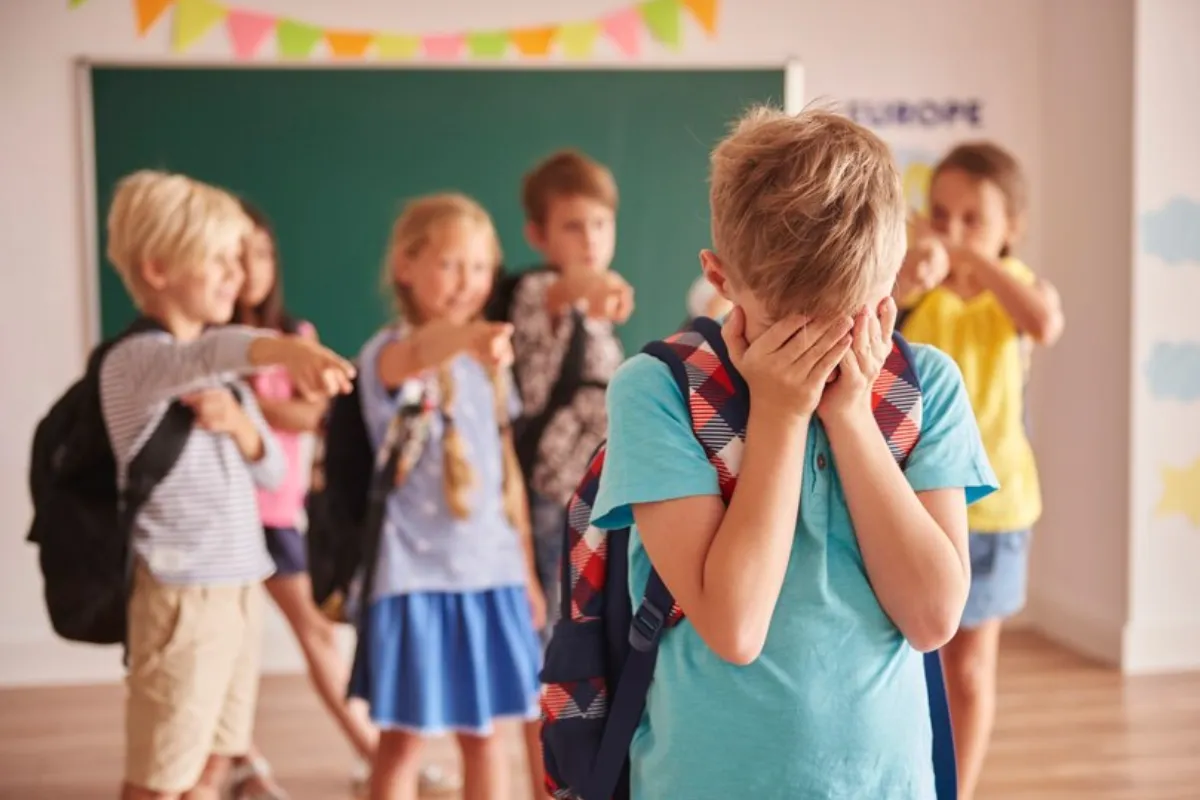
(622,27)
(247,31)
(444,46)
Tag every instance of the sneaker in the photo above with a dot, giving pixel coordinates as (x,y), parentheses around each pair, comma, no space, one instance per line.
(433,780)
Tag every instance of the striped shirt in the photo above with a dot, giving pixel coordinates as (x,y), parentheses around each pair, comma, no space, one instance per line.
(201,523)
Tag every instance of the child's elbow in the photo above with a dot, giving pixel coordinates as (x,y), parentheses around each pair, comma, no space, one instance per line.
(934,628)
(740,646)
(1047,331)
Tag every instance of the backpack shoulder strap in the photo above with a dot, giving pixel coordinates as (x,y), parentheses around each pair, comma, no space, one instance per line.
(896,400)
(718,406)
(155,459)
(716,394)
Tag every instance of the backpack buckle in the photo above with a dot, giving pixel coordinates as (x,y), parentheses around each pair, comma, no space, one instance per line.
(646,627)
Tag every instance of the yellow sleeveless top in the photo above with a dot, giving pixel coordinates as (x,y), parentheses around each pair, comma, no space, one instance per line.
(982,339)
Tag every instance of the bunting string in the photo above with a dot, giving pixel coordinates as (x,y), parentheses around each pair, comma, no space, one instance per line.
(624,30)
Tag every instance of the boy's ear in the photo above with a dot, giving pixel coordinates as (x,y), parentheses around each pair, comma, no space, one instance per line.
(154,275)
(535,235)
(714,272)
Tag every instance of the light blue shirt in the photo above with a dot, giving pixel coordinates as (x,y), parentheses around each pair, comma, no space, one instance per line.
(836,706)
(424,548)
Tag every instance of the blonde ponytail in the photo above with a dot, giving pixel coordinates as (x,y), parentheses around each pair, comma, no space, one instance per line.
(458,476)
(513,487)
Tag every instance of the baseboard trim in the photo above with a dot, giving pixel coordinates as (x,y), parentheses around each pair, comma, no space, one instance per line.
(1153,649)
(1086,634)
(55,662)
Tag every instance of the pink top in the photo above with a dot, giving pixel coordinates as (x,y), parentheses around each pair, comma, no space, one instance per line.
(283,507)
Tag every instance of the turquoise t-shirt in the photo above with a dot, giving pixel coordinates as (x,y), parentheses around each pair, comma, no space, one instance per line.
(836,706)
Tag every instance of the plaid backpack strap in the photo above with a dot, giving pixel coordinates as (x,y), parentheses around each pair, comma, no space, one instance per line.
(585,569)
(718,404)
(896,400)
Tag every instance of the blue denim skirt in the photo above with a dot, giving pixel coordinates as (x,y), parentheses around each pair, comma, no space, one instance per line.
(999,576)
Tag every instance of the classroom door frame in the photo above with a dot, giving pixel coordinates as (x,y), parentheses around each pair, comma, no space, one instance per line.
(89,224)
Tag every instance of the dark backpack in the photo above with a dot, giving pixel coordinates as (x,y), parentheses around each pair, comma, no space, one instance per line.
(337,503)
(347,503)
(600,661)
(529,429)
(82,523)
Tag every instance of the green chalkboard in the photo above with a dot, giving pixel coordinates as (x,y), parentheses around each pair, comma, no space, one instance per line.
(332,154)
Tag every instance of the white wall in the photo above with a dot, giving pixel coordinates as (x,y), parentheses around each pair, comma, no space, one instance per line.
(870,49)
(1163,631)
(1080,388)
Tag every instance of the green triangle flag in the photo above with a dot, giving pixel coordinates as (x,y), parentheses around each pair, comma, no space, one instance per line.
(295,39)
(76,3)
(193,19)
(662,20)
(487,44)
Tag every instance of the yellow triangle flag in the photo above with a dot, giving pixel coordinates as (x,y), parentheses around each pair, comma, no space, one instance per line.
(578,38)
(193,19)
(705,12)
(397,45)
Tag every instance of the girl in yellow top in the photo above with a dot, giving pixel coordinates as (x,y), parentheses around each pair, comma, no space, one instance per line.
(968,296)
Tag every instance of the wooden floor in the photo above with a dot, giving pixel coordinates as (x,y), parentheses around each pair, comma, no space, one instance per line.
(1066,729)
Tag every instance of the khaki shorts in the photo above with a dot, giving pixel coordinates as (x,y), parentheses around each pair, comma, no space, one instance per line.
(193,678)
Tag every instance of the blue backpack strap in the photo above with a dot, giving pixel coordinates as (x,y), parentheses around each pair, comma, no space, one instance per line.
(658,611)
(629,699)
(945,767)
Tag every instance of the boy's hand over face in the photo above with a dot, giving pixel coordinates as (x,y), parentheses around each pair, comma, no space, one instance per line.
(850,392)
(788,366)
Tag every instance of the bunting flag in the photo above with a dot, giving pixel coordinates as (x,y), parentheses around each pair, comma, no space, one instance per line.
(662,20)
(148,12)
(705,12)
(398,46)
(247,31)
(296,39)
(443,46)
(623,27)
(488,44)
(193,19)
(623,30)
(578,39)
(348,44)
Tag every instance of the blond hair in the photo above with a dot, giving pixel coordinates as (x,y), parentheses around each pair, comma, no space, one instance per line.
(411,233)
(566,173)
(807,210)
(168,218)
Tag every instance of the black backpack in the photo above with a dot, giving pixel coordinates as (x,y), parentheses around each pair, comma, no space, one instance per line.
(81,523)
(528,430)
(337,502)
(347,503)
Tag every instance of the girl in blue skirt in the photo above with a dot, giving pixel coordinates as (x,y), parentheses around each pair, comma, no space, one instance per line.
(449,642)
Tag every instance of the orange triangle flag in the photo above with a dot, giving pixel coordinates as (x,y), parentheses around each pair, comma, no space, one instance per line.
(705,12)
(533,41)
(148,12)
(348,44)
